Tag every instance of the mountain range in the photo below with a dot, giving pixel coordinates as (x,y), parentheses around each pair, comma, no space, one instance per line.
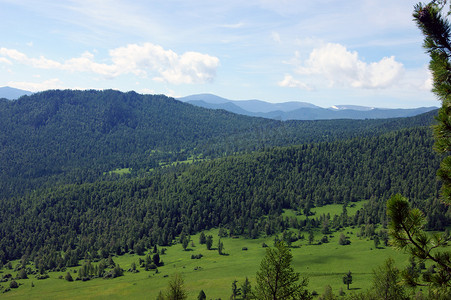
(284,111)
(299,110)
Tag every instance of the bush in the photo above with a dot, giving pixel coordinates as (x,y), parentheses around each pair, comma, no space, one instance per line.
(68,277)
(42,276)
(13,284)
(22,274)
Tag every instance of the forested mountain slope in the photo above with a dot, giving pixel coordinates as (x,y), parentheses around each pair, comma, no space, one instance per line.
(76,136)
(236,192)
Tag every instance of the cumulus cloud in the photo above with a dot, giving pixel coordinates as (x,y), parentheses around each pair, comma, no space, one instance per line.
(289,81)
(340,66)
(141,60)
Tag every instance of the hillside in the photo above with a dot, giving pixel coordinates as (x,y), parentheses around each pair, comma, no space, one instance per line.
(76,136)
(235,192)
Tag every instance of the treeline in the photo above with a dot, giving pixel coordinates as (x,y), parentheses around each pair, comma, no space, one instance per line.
(245,194)
(60,137)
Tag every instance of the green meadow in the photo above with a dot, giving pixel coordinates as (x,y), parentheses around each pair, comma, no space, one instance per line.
(324,264)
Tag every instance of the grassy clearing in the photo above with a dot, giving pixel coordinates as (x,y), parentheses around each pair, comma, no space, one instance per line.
(332,209)
(322,264)
(122,171)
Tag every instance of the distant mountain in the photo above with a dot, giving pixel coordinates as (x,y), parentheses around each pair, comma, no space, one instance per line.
(12,93)
(299,110)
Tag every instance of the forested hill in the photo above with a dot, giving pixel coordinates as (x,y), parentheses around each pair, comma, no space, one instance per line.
(75,136)
(245,194)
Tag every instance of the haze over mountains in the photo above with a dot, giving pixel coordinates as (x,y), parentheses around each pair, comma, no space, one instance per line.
(298,110)
(12,93)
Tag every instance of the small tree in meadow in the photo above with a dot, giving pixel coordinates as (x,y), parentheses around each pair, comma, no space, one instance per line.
(201,295)
(347,279)
(68,277)
(209,242)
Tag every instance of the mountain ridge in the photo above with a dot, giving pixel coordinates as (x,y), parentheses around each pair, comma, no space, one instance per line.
(299,110)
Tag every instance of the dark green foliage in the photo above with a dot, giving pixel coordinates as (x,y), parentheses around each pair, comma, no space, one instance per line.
(347,279)
(202,238)
(201,295)
(22,274)
(106,218)
(156,259)
(176,290)
(407,233)
(311,237)
(387,282)
(236,291)
(343,240)
(13,284)
(434,24)
(68,277)
(76,136)
(220,247)
(209,242)
(276,278)
(246,290)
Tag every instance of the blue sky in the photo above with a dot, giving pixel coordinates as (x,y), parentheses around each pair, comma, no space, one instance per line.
(325,52)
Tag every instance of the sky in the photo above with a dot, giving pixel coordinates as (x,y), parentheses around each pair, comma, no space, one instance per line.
(325,52)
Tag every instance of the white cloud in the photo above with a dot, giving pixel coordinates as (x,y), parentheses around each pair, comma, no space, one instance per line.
(166,65)
(339,66)
(5,61)
(289,81)
(275,36)
(54,83)
(233,26)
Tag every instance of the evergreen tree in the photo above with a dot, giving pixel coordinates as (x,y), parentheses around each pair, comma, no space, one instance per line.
(202,238)
(347,279)
(386,282)
(407,232)
(68,277)
(246,289)
(201,295)
(236,291)
(437,32)
(276,278)
(220,247)
(209,242)
(176,291)
(311,236)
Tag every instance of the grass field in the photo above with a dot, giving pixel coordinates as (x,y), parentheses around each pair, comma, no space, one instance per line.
(323,264)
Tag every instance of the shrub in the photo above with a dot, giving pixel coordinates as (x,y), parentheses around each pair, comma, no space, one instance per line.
(13,284)
(68,277)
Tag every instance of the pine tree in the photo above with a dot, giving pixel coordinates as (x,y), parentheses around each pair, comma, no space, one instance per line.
(407,224)
(277,279)
(437,32)
(176,291)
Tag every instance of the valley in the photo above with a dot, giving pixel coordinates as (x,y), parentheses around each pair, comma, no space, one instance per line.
(89,176)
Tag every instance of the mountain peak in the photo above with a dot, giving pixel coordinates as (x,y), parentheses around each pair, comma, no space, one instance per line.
(12,93)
